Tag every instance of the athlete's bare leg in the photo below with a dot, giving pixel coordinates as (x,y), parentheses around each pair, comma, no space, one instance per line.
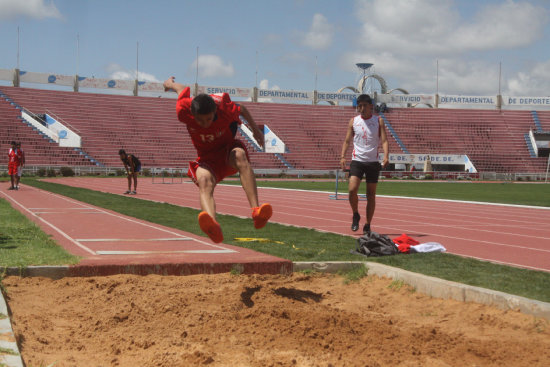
(206,183)
(129,182)
(371,201)
(354,183)
(238,160)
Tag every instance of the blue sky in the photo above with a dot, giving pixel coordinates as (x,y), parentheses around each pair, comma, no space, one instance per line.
(288,44)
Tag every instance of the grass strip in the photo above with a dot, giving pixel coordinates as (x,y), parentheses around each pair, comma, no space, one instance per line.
(536,194)
(522,282)
(23,243)
(301,244)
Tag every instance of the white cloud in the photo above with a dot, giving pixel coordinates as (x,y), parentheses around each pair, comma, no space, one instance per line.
(404,38)
(503,26)
(468,77)
(37,9)
(435,26)
(117,72)
(212,66)
(534,82)
(320,34)
(264,84)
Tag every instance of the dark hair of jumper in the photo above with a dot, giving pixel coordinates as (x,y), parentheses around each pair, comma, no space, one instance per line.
(122,151)
(364,98)
(202,104)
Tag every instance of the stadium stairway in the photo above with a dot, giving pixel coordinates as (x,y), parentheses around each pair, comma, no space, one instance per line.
(39,149)
(538,126)
(394,134)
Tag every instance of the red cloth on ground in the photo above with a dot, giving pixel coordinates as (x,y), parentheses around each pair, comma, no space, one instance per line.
(404,243)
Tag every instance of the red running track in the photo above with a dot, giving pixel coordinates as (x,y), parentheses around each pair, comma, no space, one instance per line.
(507,234)
(112,243)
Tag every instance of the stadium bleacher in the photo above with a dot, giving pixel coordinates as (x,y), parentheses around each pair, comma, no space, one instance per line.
(313,134)
(493,140)
(39,150)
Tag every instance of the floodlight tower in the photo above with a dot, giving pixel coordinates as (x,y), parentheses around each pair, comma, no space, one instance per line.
(365,67)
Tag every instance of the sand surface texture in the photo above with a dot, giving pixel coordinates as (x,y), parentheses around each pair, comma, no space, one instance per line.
(253,320)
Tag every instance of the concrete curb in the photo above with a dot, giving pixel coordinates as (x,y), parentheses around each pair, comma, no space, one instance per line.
(439,288)
(7,339)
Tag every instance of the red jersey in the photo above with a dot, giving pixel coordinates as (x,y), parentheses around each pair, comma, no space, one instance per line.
(14,157)
(211,139)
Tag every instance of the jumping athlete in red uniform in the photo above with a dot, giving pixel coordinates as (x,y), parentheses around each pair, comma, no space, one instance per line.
(14,160)
(212,122)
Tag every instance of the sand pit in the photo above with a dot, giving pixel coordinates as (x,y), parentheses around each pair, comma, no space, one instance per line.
(241,320)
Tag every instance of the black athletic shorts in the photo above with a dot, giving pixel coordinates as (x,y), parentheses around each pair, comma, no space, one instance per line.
(371,170)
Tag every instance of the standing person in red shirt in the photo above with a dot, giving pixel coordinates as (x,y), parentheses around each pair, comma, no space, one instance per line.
(14,160)
(212,122)
(20,168)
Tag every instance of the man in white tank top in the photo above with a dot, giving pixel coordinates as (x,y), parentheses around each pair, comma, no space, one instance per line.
(368,133)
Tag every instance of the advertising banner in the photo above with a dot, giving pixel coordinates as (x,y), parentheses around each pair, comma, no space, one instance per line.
(526,101)
(106,83)
(273,144)
(406,98)
(232,91)
(421,158)
(285,94)
(6,74)
(468,100)
(65,136)
(337,97)
(42,78)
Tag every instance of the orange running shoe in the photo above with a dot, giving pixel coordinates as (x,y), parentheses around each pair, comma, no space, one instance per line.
(210,227)
(261,215)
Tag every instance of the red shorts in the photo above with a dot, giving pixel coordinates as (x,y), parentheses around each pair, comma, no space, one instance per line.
(217,163)
(12,169)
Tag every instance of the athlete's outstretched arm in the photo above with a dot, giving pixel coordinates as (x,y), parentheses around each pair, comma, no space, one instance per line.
(258,134)
(170,84)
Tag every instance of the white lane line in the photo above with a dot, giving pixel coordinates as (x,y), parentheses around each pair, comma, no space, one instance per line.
(57,208)
(165,252)
(129,219)
(51,225)
(132,239)
(65,212)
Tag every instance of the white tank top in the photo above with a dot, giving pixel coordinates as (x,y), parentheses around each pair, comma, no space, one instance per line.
(365,139)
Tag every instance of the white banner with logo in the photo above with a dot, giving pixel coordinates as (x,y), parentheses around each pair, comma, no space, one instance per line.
(6,74)
(294,95)
(41,78)
(273,144)
(232,91)
(406,98)
(468,100)
(271,94)
(106,83)
(421,158)
(65,136)
(526,101)
(435,159)
(336,97)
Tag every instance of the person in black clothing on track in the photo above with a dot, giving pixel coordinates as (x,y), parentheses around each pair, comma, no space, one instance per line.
(133,167)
